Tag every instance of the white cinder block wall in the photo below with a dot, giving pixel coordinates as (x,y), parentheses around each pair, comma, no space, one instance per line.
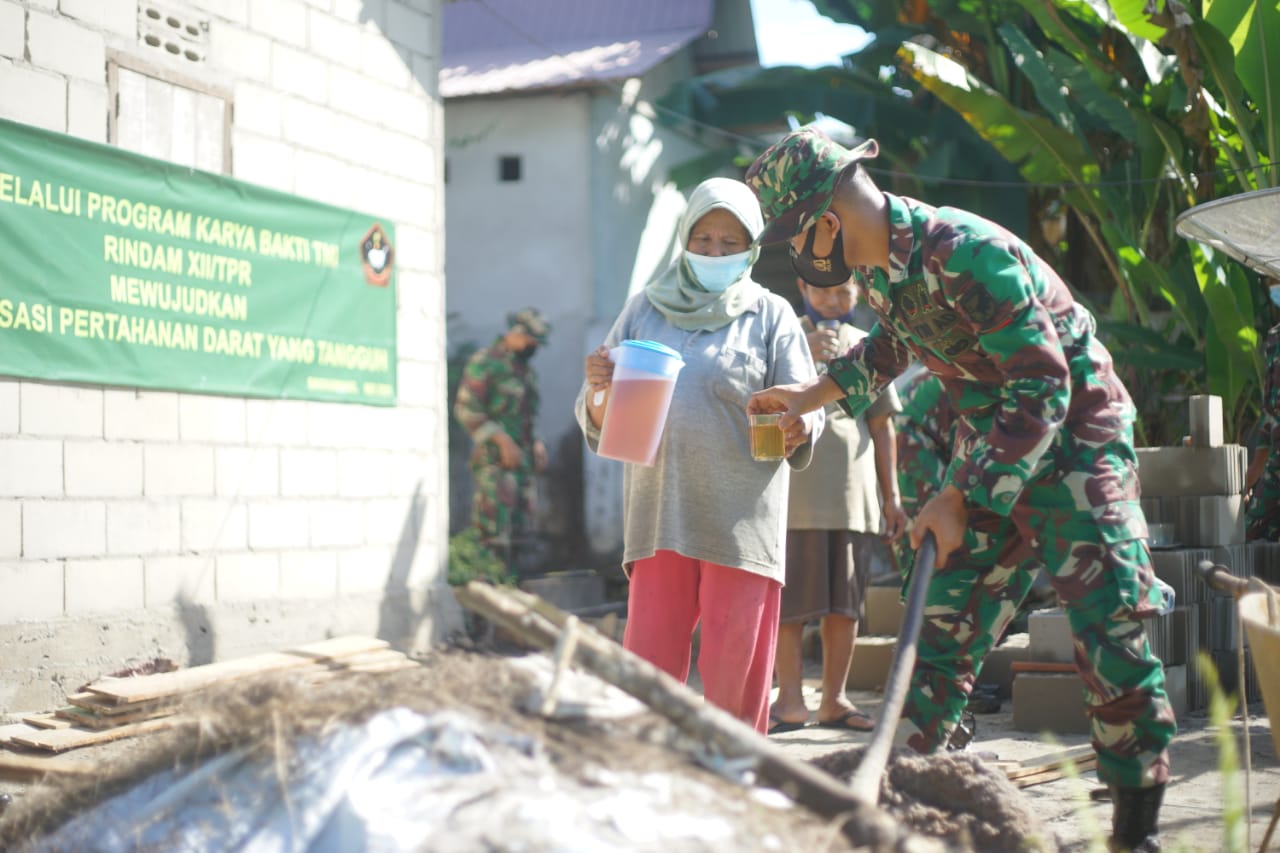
(141,523)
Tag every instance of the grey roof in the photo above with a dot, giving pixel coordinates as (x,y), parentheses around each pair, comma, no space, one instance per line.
(493,46)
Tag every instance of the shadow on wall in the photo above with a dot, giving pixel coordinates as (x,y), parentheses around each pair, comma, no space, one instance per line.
(399,618)
(201,640)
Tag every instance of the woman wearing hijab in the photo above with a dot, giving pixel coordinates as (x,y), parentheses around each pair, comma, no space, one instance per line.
(705,525)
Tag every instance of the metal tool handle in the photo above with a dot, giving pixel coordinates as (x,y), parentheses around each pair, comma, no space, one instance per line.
(866,779)
(1219,578)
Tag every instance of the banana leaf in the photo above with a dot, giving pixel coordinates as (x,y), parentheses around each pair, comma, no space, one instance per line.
(1252,27)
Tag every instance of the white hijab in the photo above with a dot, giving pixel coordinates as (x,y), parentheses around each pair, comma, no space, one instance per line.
(676,292)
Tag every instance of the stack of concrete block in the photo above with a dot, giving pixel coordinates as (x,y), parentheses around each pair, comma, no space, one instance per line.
(1198,489)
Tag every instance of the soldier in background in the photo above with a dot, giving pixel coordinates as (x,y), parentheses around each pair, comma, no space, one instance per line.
(497,404)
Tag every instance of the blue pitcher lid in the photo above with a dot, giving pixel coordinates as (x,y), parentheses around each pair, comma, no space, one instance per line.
(653,346)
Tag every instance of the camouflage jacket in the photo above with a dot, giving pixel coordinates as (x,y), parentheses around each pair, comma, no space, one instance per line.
(498,392)
(1017,355)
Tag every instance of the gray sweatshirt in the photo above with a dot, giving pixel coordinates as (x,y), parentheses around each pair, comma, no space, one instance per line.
(705,497)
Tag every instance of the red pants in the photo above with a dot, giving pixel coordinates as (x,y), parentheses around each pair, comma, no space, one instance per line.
(670,593)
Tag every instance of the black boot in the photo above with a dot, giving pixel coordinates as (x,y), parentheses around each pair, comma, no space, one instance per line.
(1135,812)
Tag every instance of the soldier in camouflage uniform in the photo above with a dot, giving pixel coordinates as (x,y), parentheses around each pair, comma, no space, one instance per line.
(1043,465)
(497,403)
(1263,513)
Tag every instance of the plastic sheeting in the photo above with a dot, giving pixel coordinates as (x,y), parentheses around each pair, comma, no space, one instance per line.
(406,781)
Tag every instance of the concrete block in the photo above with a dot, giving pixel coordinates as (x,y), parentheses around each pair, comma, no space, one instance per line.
(872,658)
(31,590)
(380,60)
(282,20)
(210,524)
(298,73)
(388,521)
(337,524)
(569,591)
(365,569)
(1049,702)
(332,38)
(61,410)
(408,27)
(997,668)
(116,16)
(30,468)
(278,524)
(282,422)
(883,611)
(37,98)
(1174,471)
(267,162)
(63,529)
(66,47)
(246,471)
(143,527)
(184,470)
(1050,636)
(1209,520)
(13,30)
(308,473)
(245,54)
(140,414)
(236,11)
(10,407)
(102,469)
(258,109)
(10,529)
(412,473)
(1171,638)
(247,577)
(1206,420)
(1175,684)
(104,586)
(308,574)
(364,474)
(186,581)
(218,420)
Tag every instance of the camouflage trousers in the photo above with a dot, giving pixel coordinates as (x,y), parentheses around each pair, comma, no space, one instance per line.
(504,503)
(1104,578)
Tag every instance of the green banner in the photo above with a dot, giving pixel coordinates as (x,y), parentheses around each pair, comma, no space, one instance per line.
(119,269)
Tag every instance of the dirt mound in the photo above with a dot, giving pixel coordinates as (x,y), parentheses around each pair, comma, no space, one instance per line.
(953,797)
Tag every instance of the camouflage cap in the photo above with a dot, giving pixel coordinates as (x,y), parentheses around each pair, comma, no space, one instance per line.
(794,180)
(532,322)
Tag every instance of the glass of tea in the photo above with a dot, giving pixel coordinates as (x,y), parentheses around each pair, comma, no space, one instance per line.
(768,443)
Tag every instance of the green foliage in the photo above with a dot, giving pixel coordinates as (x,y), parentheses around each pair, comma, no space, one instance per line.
(1124,112)
(1221,706)
(471,560)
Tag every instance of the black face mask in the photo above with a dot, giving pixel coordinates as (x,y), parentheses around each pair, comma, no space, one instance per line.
(526,353)
(830,271)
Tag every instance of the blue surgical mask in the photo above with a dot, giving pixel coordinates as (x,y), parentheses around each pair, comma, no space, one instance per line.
(716,274)
(1274,290)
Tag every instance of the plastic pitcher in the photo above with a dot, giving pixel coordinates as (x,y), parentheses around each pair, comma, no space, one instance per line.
(644,378)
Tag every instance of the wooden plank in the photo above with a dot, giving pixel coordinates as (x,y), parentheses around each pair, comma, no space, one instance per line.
(104,706)
(60,740)
(88,719)
(8,731)
(48,720)
(1053,774)
(33,768)
(170,684)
